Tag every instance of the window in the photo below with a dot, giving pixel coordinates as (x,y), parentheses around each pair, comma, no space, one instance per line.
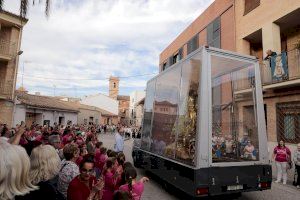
(288,122)
(114,85)
(289,126)
(164,66)
(251,5)
(47,122)
(214,33)
(175,58)
(193,44)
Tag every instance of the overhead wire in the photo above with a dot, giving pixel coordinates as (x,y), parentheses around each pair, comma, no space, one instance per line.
(84,79)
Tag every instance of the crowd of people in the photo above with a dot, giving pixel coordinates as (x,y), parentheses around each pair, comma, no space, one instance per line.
(225,147)
(57,163)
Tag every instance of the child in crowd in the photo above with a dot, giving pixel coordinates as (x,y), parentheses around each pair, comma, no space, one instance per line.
(103,158)
(133,187)
(110,176)
(82,153)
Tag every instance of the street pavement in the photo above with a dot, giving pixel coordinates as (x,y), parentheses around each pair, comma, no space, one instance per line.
(154,190)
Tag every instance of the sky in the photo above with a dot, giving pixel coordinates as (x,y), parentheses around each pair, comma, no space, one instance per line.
(83,42)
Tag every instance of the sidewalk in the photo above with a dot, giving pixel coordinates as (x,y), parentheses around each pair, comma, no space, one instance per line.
(286,188)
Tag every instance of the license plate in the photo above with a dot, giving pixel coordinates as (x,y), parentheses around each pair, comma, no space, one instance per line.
(234,187)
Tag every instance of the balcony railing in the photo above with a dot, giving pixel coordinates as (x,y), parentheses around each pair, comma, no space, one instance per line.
(284,67)
(7,49)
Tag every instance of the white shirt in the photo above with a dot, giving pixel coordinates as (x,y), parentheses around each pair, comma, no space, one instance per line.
(119,143)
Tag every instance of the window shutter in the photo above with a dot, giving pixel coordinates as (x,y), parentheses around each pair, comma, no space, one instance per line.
(169,62)
(209,31)
(180,53)
(251,5)
(193,44)
(214,33)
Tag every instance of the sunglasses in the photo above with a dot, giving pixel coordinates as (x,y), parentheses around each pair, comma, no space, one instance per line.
(90,171)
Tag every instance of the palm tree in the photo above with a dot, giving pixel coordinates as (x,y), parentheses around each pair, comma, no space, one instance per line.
(25,3)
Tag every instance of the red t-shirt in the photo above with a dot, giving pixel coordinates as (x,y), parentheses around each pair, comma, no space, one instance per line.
(79,159)
(137,190)
(97,158)
(282,153)
(77,190)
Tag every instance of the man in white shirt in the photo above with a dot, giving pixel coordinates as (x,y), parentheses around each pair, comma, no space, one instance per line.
(119,140)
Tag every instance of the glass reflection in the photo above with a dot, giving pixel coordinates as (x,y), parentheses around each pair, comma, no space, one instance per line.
(148,112)
(164,125)
(188,107)
(234,127)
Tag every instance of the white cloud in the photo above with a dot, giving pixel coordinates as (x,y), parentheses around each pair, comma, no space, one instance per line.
(93,39)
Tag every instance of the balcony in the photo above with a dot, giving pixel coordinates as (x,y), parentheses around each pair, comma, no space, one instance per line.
(285,71)
(7,50)
(6,90)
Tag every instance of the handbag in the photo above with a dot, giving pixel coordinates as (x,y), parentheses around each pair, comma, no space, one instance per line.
(295,177)
(289,161)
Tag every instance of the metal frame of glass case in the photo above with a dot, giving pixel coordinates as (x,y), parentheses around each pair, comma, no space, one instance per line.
(214,65)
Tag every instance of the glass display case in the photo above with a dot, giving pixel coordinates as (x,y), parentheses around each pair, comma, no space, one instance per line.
(234,127)
(205,109)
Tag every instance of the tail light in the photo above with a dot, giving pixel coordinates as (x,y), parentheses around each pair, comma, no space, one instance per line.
(264,185)
(202,191)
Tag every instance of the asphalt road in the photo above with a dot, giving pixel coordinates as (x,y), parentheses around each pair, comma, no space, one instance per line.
(155,191)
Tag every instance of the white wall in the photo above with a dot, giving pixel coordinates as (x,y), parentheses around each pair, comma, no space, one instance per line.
(102,101)
(135,97)
(19,114)
(71,117)
(53,116)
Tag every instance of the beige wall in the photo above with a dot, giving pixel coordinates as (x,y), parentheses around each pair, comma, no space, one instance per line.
(271,113)
(11,31)
(6,111)
(261,17)
(139,112)
(112,119)
(86,114)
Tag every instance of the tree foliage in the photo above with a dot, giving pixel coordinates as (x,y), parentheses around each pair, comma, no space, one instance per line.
(24,4)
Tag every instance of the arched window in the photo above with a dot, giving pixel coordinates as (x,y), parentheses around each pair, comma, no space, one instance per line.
(114,85)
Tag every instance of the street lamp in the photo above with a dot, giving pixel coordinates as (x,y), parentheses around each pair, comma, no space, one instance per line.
(19,53)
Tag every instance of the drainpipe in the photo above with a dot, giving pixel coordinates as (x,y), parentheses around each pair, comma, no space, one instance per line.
(16,60)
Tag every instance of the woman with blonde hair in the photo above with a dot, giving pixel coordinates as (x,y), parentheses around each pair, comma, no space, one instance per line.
(14,171)
(45,165)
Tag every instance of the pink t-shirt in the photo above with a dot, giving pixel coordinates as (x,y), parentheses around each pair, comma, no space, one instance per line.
(97,155)
(282,153)
(102,161)
(109,186)
(137,190)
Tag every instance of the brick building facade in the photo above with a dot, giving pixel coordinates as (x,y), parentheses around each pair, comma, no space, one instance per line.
(252,27)
(11,26)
